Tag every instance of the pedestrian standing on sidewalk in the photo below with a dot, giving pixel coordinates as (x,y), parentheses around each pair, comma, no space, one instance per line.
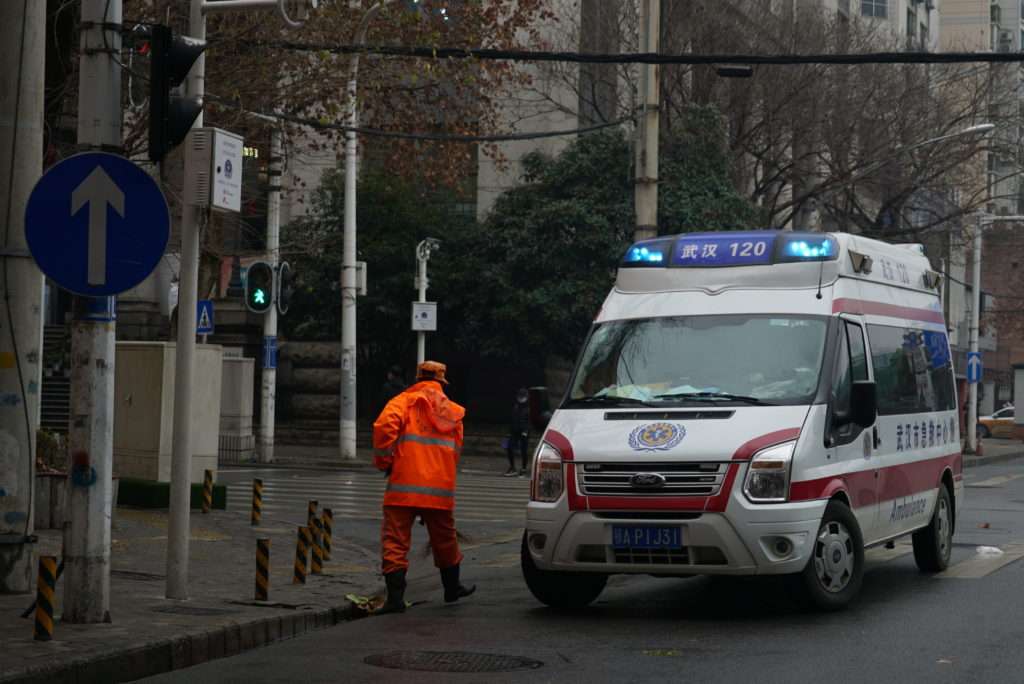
(392,386)
(417,440)
(519,434)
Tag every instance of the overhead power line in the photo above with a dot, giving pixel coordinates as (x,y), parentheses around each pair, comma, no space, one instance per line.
(643,57)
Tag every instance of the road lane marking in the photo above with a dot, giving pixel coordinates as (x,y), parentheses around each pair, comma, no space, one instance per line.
(1002,479)
(982,564)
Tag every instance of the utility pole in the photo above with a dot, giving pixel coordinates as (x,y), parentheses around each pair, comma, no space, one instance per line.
(269,375)
(645,195)
(22,51)
(90,492)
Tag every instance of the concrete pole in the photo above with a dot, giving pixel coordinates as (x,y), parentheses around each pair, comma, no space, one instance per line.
(972,389)
(646,182)
(22,32)
(269,375)
(176,586)
(89,499)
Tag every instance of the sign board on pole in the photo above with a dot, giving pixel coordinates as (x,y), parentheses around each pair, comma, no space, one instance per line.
(424,316)
(204,317)
(974,366)
(96,224)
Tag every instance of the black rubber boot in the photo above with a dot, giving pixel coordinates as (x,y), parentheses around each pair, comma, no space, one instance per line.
(453,591)
(396,593)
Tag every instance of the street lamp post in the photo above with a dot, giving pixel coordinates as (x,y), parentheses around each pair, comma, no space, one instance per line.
(423,251)
(347,407)
(819,202)
(972,390)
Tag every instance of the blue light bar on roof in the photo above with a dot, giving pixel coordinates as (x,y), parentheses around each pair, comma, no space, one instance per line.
(806,247)
(652,252)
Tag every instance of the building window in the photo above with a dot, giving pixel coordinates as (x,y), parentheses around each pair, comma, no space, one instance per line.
(874,8)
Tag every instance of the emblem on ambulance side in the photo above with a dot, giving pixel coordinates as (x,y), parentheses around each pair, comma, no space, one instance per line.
(656,437)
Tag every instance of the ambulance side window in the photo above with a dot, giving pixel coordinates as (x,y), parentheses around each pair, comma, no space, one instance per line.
(852,364)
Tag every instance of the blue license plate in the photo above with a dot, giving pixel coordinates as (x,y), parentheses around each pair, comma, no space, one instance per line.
(647,536)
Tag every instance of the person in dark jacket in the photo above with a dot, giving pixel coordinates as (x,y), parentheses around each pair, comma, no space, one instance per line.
(393,386)
(519,433)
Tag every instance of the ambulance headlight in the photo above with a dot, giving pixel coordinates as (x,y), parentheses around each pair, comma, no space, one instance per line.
(548,481)
(768,474)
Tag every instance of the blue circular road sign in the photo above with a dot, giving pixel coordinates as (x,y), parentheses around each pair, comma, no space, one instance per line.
(97,224)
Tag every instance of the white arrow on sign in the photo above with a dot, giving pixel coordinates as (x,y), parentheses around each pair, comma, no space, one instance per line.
(97,190)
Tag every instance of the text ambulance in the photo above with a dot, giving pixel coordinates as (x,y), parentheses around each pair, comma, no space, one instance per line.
(751,403)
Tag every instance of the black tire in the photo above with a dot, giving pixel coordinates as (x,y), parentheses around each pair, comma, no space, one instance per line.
(933,544)
(561,590)
(835,569)
(983,432)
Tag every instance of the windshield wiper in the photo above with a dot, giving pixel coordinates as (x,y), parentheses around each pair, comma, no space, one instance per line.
(609,399)
(714,395)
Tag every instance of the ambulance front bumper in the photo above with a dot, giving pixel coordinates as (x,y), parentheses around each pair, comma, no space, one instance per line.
(768,540)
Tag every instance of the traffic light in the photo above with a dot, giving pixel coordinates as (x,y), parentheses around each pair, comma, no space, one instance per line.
(170,118)
(259,287)
(285,291)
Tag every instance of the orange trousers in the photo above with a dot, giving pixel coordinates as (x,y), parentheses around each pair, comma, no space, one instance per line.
(396,536)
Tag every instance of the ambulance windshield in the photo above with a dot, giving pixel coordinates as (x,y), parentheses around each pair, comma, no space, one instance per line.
(751,359)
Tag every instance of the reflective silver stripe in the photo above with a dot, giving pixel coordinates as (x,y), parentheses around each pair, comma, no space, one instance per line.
(431,441)
(381,452)
(416,489)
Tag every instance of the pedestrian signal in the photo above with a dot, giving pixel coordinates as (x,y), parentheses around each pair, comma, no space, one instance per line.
(170,117)
(285,290)
(259,287)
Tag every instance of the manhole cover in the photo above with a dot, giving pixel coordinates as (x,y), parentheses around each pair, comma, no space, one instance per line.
(126,574)
(450,661)
(190,610)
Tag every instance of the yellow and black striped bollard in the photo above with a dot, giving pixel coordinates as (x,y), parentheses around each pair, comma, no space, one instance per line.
(316,566)
(328,521)
(301,550)
(45,589)
(262,569)
(207,490)
(311,513)
(257,500)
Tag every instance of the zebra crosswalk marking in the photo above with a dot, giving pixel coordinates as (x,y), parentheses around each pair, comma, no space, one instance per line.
(995,481)
(982,564)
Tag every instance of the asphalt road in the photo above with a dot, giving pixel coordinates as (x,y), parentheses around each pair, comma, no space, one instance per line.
(961,625)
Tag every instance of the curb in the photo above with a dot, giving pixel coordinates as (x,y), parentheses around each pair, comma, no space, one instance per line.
(176,652)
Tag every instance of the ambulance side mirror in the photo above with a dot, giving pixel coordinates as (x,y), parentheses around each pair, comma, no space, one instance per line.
(863,404)
(540,408)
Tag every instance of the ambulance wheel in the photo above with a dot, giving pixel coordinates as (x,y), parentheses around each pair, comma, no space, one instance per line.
(934,544)
(833,574)
(561,590)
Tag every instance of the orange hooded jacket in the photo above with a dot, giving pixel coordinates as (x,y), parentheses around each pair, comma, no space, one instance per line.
(418,436)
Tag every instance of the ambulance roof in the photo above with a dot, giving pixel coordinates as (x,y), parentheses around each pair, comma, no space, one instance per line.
(769,258)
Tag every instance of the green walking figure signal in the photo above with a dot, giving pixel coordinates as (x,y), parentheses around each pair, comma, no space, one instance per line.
(259,286)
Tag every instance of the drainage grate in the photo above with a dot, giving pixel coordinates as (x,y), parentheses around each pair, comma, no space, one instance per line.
(450,661)
(127,574)
(189,610)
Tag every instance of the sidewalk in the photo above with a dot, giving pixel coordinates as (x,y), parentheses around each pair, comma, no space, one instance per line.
(150,634)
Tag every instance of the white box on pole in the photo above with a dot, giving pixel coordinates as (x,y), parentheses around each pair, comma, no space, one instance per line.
(213,169)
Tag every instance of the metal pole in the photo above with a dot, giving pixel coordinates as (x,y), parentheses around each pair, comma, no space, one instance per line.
(972,390)
(87,535)
(176,586)
(646,182)
(347,398)
(22,51)
(269,375)
(422,254)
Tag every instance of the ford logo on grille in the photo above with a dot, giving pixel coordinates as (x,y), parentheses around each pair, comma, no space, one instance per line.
(647,480)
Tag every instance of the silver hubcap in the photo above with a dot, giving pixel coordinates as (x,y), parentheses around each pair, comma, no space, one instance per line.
(833,557)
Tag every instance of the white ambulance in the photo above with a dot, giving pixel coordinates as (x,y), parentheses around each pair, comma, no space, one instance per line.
(761,402)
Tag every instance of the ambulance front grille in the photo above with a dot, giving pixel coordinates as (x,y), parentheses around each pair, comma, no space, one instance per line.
(651,479)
